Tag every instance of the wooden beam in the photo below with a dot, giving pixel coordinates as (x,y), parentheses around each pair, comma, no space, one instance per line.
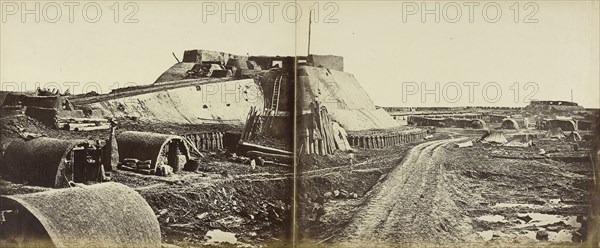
(266,149)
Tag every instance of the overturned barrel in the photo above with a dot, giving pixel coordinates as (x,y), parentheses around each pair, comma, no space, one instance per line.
(102,215)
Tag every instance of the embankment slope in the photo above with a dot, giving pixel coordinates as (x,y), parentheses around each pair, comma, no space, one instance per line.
(344,98)
(215,102)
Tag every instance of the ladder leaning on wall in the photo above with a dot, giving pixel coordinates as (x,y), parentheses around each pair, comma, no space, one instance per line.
(274,109)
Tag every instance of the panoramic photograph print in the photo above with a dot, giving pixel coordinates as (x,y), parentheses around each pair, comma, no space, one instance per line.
(299,123)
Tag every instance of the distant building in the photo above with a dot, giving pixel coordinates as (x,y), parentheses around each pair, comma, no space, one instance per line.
(553,107)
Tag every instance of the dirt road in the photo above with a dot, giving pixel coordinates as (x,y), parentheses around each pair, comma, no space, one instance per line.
(411,205)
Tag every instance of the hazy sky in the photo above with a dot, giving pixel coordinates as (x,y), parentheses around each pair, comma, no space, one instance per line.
(388,46)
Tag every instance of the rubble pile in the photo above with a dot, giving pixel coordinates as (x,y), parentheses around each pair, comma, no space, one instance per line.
(231,207)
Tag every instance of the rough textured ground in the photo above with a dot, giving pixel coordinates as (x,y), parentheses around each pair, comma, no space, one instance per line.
(436,194)
(442,195)
(410,205)
(253,204)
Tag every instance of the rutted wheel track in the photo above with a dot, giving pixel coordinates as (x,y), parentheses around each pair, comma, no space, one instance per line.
(411,205)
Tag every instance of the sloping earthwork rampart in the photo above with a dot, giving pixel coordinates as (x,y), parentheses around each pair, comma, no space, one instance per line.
(345,99)
(219,102)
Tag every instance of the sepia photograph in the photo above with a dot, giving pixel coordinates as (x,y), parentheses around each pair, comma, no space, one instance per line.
(299,123)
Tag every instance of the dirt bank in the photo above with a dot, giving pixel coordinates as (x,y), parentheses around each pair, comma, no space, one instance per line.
(419,208)
(321,177)
(440,194)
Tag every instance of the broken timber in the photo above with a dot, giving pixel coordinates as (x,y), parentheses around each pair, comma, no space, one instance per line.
(271,156)
(206,141)
(266,149)
(319,136)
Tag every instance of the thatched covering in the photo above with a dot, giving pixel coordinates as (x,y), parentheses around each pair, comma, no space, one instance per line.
(555,133)
(524,137)
(146,146)
(521,140)
(565,125)
(39,161)
(574,136)
(478,124)
(103,215)
(494,137)
(462,123)
(510,124)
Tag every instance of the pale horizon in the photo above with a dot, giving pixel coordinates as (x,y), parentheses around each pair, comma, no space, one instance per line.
(384,53)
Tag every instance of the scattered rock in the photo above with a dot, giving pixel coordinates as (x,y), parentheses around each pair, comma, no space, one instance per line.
(524,217)
(342,194)
(162,212)
(260,161)
(202,215)
(554,201)
(185,225)
(542,235)
(578,237)
(554,228)
(176,182)
(517,221)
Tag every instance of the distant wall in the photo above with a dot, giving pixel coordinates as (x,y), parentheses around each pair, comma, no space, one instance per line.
(222,102)
(326,61)
(561,103)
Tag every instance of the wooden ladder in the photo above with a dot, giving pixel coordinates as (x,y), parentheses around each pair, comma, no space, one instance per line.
(275,99)
(276,91)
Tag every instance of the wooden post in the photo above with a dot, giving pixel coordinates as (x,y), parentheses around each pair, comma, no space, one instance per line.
(220,134)
(111,150)
(175,57)
(307,142)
